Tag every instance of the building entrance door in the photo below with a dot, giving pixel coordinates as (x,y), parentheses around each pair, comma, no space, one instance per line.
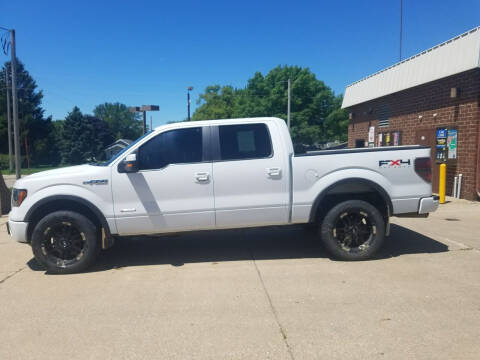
(426,137)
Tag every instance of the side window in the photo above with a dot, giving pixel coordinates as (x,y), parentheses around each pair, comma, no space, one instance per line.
(249,141)
(171,147)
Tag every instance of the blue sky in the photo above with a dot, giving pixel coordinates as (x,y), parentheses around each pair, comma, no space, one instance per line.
(147,52)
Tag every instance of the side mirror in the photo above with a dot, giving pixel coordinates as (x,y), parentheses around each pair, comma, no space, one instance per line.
(129,164)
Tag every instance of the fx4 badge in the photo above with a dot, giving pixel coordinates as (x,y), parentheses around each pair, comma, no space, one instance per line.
(394,163)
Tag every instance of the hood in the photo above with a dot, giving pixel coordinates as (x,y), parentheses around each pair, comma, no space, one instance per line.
(59,172)
(74,175)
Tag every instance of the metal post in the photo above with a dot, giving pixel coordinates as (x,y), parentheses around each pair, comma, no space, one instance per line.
(442,183)
(9,121)
(454,192)
(144,121)
(459,190)
(288,104)
(16,125)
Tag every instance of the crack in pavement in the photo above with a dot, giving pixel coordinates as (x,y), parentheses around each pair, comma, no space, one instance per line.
(272,308)
(11,275)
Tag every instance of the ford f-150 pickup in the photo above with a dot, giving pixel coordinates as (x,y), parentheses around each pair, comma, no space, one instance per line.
(220,174)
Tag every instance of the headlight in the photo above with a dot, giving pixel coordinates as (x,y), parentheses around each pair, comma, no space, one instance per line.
(18,195)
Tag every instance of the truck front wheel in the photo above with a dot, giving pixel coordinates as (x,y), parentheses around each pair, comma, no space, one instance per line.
(353,230)
(65,242)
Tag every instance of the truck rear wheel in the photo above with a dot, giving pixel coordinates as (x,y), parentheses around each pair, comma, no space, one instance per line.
(353,230)
(65,242)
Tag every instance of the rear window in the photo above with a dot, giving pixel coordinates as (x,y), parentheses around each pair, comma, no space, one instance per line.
(249,141)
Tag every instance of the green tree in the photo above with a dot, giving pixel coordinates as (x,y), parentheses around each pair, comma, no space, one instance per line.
(316,115)
(102,136)
(123,123)
(84,137)
(217,103)
(36,129)
(76,138)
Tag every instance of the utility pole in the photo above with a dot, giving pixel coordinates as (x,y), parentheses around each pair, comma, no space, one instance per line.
(401,27)
(190,88)
(288,103)
(16,125)
(9,121)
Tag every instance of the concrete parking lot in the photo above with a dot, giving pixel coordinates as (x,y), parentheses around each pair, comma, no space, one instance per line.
(253,294)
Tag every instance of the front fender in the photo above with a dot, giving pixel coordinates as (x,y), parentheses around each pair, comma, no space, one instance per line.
(101,198)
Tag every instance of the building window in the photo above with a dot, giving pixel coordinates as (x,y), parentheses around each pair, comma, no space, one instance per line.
(383,115)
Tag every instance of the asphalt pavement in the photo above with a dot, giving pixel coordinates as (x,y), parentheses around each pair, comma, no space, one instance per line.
(253,294)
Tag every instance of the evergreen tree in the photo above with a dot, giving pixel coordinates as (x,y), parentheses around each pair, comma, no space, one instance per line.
(36,129)
(102,136)
(84,138)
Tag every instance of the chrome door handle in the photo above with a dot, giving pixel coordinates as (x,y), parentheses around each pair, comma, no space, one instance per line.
(202,176)
(275,171)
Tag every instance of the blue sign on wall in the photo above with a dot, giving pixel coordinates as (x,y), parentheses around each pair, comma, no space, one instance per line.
(441,133)
(441,145)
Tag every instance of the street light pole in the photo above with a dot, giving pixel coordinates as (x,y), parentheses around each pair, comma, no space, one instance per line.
(190,88)
(16,125)
(143,109)
(144,121)
(9,121)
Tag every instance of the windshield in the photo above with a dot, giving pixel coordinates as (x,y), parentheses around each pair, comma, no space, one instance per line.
(117,155)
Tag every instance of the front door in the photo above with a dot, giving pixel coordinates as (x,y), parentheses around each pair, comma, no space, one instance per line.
(250,179)
(426,137)
(173,189)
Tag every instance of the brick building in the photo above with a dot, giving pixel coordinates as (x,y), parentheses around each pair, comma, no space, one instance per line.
(433,99)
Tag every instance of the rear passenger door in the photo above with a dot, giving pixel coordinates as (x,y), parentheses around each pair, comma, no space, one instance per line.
(250,175)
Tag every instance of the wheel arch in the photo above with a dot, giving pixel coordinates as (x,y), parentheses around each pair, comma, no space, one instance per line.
(65,202)
(351,188)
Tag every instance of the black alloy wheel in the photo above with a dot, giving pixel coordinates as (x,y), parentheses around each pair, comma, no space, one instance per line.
(353,230)
(65,242)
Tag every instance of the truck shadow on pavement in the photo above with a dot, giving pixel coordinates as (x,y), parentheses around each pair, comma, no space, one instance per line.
(244,244)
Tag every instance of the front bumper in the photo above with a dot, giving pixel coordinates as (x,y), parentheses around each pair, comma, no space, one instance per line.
(17,230)
(428,204)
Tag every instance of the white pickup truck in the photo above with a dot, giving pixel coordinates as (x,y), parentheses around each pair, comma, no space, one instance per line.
(220,174)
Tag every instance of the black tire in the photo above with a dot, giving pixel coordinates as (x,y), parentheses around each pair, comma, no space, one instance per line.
(65,242)
(353,230)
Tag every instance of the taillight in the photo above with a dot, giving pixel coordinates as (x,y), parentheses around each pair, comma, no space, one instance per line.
(423,167)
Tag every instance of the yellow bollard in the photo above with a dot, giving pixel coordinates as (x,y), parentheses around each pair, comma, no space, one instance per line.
(442,183)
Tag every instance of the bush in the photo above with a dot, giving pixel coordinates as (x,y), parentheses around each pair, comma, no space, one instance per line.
(3,161)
